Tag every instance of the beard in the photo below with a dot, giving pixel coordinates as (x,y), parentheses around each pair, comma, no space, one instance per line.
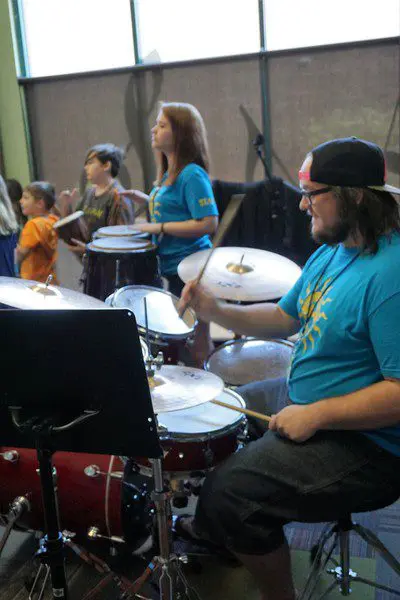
(333,235)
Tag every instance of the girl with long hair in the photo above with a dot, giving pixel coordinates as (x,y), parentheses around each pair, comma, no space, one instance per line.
(182,208)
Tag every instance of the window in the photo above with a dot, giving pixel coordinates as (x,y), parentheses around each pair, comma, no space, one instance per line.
(71,36)
(295,24)
(190,29)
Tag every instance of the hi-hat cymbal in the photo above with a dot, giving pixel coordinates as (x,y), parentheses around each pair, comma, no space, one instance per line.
(242,274)
(27,294)
(174,388)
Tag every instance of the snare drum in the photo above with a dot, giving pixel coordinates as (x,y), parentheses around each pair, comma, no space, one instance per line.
(93,490)
(73,226)
(197,439)
(116,262)
(243,361)
(167,332)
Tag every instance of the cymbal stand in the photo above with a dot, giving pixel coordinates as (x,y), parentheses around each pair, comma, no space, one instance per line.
(168,563)
(152,363)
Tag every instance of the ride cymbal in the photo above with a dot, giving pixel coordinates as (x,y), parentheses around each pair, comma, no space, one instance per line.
(242,274)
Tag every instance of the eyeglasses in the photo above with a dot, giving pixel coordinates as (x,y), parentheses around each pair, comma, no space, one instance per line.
(310,195)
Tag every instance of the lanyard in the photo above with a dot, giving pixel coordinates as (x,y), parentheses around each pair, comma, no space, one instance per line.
(314,302)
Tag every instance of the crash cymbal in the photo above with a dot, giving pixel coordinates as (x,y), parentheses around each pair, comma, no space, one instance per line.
(174,388)
(242,274)
(28,294)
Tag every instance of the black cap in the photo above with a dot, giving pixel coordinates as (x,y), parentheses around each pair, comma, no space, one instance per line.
(349,162)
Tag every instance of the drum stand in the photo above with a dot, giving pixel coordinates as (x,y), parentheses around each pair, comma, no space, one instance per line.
(168,563)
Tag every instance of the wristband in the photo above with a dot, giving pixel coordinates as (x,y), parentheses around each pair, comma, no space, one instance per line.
(162,228)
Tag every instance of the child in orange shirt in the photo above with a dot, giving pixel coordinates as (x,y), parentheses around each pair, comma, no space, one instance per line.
(37,248)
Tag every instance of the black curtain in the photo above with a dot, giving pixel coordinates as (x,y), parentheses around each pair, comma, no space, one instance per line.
(269,218)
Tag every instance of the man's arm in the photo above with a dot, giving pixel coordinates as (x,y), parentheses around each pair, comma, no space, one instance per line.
(373,407)
(264,320)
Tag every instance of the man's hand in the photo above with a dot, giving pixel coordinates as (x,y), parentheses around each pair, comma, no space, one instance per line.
(203,302)
(296,422)
(78,247)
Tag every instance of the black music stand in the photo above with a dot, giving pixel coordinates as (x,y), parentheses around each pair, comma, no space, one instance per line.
(73,380)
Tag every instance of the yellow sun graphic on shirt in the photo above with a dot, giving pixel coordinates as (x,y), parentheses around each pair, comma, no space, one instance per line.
(313,304)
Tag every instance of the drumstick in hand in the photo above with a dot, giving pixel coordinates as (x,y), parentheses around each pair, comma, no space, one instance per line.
(224,225)
(245,411)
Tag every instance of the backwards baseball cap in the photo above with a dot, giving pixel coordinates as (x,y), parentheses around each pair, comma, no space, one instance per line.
(348,162)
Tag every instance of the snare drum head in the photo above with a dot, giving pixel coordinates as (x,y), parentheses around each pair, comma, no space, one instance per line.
(162,314)
(204,418)
(117,231)
(118,244)
(243,361)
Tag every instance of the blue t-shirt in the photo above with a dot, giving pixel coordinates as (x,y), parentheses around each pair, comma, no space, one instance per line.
(352,337)
(189,197)
(7,247)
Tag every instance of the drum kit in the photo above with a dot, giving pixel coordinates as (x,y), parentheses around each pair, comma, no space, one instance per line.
(201,418)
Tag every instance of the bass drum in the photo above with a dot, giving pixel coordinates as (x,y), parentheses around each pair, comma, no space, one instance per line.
(94,491)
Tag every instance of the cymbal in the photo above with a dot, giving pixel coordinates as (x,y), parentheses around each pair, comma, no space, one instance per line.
(174,388)
(27,294)
(242,274)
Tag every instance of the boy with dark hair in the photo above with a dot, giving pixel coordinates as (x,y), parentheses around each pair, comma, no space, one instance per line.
(103,203)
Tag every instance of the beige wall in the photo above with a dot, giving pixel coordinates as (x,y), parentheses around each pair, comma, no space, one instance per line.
(321,95)
(314,96)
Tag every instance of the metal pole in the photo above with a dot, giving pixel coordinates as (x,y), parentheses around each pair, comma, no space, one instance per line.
(264,84)
(135,33)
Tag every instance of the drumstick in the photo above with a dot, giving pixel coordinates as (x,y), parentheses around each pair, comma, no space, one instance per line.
(245,411)
(226,221)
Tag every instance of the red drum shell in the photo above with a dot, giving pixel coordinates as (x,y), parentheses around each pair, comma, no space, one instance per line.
(81,499)
(199,438)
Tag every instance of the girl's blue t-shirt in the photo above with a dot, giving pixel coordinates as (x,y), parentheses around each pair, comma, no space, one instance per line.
(348,304)
(189,197)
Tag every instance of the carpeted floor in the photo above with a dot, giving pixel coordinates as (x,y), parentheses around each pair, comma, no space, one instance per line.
(216,580)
